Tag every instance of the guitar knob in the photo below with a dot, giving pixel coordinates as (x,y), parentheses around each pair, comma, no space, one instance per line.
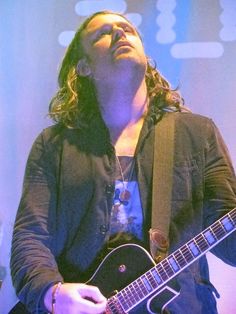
(122,268)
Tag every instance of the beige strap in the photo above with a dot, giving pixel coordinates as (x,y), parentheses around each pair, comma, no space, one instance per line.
(162,185)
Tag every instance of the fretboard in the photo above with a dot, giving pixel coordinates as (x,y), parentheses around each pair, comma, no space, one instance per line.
(159,275)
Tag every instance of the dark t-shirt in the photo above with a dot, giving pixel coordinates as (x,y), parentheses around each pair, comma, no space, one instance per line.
(126,224)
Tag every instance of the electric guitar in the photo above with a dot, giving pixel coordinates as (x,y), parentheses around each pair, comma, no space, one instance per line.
(132,281)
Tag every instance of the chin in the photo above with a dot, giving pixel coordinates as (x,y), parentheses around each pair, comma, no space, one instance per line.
(130,61)
(132,65)
(128,72)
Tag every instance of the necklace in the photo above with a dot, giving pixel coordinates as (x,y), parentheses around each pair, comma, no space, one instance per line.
(125,195)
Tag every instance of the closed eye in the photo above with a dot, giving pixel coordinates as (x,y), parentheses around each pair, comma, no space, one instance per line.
(107,30)
(101,33)
(128,29)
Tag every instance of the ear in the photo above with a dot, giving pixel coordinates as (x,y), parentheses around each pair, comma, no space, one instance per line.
(83,68)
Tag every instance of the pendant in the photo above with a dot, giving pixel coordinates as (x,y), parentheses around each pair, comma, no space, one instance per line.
(125,195)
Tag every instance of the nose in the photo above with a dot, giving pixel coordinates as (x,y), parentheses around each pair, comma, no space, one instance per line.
(117,33)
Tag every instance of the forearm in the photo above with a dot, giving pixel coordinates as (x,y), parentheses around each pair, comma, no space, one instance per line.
(220,193)
(33,259)
(33,270)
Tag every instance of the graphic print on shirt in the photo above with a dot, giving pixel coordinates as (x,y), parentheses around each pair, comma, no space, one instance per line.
(126,216)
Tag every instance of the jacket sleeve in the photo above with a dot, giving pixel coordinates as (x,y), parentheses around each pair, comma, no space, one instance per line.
(220,190)
(33,265)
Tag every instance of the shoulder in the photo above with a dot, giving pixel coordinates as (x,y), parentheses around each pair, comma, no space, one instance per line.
(52,139)
(57,133)
(58,137)
(195,124)
(189,118)
(194,130)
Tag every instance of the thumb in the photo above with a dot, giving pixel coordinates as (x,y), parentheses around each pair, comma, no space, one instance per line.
(92,292)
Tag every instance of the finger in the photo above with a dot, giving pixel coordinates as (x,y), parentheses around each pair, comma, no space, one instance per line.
(88,306)
(91,292)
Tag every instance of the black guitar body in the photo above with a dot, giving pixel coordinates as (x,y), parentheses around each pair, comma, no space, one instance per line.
(132,282)
(119,268)
(122,266)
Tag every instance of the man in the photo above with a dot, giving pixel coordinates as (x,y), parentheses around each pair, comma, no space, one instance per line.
(88,180)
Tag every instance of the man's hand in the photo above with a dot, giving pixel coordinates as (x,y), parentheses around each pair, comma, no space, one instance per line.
(73,298)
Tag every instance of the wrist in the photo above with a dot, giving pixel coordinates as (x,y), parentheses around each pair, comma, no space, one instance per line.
(55,292)
(51,297)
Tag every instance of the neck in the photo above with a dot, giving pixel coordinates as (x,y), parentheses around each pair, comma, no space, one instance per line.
(123,106)
(123,111)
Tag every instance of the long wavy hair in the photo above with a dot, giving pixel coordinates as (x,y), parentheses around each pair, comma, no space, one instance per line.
(75,103)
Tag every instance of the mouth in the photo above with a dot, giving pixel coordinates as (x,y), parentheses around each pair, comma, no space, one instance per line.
(121,44)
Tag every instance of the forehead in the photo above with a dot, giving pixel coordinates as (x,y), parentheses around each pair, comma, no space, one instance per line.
(104,19)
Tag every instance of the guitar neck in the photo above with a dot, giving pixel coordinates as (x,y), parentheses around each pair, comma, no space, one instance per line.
(160,274)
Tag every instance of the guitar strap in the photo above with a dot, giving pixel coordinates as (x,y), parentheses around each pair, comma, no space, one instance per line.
(162,186)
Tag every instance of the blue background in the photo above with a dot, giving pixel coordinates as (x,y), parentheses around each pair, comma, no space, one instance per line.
(193,43)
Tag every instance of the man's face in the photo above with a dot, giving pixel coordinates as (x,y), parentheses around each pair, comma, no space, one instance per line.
(112,45)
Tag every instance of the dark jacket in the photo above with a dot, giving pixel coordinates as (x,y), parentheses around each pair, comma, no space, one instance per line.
(63,218)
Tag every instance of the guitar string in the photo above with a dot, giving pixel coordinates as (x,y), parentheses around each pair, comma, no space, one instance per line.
(217,226)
